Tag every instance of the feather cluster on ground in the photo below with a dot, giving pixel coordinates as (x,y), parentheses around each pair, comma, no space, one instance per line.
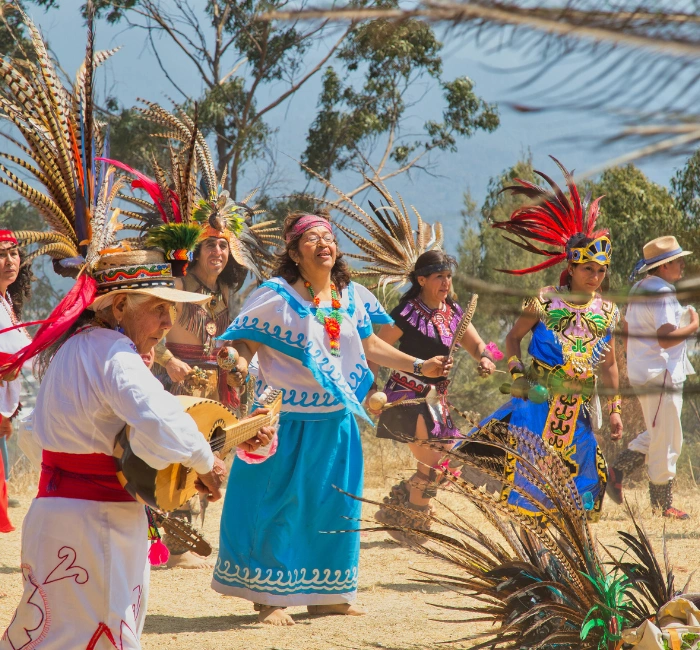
(546,583)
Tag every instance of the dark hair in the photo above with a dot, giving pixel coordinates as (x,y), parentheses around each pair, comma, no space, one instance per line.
(429,258)
(286,267)
(232,275)
(581,241)
(21,289)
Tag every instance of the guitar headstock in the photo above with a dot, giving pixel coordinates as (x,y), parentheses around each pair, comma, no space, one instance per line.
(271,399)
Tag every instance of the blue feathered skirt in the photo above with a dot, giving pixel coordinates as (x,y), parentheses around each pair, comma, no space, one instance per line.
(274,548)
(577,447)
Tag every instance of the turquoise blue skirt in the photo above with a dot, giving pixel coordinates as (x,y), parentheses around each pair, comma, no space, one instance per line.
(277,546)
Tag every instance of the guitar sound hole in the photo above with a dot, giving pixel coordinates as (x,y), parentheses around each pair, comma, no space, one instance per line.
(217,439)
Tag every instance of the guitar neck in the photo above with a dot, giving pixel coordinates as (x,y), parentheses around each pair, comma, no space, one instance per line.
(242,431)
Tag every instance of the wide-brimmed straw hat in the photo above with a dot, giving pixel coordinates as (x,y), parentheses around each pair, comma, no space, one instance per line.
(661,251)
(138,271)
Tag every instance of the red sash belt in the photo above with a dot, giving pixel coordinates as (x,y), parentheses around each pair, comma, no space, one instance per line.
(90,477)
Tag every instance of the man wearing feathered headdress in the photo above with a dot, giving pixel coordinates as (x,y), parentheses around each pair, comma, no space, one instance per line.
(213,242)
(657,364)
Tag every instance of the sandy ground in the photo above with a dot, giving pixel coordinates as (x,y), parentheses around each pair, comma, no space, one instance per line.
(401,613)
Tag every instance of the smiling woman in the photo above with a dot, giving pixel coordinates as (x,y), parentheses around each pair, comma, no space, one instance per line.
(572,344)
(313,336)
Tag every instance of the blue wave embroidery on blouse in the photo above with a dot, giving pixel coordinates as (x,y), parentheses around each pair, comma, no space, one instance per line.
(312,358)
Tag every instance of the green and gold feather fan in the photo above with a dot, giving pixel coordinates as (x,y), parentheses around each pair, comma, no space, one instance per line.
(57,143)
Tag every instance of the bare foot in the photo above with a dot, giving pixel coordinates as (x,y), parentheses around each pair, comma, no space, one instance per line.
(188,560)
(344,609)
(274,616)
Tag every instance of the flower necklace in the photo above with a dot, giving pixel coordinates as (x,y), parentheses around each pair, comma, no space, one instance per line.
(329,318)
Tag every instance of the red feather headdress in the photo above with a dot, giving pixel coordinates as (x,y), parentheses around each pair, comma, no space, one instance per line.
(553,220)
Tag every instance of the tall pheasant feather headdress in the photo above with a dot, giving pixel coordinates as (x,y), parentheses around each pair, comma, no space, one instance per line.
(554,220)
(61,143)
(208,207)
(393,246)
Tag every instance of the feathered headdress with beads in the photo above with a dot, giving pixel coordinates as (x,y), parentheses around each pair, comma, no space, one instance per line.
(393,245)
(555,220)
(209,207)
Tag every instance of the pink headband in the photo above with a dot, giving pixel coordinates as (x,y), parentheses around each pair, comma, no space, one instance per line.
(304,223)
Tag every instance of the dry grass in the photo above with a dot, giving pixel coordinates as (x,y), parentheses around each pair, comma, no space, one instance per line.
(185,613)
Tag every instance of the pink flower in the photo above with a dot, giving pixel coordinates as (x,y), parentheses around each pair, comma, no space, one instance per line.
(492,348)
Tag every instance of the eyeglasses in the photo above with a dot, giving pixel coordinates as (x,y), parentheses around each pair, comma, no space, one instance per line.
(327,239)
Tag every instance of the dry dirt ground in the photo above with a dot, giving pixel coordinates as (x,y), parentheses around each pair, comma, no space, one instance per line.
(401,613)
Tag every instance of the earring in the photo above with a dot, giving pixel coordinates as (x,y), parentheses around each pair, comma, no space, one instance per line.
(118,328)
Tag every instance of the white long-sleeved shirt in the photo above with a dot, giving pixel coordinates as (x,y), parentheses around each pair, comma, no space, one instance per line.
(10,342)
(95,384)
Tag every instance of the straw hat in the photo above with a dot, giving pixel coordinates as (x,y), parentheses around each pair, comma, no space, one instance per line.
(660,251)
(138,271)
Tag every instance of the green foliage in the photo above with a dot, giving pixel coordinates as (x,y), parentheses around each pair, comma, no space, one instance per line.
(393,57)
(12,36)
(685,188)
(130,139)
(635,210)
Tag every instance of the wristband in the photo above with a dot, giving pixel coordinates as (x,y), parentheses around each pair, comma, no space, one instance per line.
(487,354)
(515,366)
(615,404)
(163,356)
(418,367)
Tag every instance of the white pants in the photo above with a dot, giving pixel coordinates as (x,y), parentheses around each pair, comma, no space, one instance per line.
(85,572)
(663,439)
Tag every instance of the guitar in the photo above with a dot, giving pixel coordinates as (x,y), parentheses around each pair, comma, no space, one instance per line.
(170,488)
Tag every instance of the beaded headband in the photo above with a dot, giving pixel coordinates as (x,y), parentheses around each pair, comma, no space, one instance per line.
(305,223)
(425,271)
(599,250)
(138,276)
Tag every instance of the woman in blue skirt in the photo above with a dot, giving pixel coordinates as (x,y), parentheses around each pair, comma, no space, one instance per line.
(312,332)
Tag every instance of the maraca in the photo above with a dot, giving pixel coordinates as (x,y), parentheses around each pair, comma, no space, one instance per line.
(377,401)
(227,358)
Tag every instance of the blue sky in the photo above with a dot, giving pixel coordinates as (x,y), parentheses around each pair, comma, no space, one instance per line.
(574,139)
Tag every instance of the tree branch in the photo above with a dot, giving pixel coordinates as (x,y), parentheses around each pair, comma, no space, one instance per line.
(308,76)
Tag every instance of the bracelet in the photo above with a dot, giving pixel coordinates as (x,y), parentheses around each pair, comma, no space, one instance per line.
(615,404)
(487,354)
(418,367)
(515,366)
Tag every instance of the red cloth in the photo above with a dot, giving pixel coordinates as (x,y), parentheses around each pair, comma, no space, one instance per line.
(90,477)
(56,325)
(8,235)
(5,523)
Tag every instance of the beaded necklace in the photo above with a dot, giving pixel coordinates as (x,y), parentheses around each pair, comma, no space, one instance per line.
(329,318)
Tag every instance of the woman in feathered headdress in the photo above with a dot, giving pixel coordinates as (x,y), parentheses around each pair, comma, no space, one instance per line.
(572,344)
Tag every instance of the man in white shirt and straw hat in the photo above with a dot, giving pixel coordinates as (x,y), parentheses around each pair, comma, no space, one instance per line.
(657,365)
